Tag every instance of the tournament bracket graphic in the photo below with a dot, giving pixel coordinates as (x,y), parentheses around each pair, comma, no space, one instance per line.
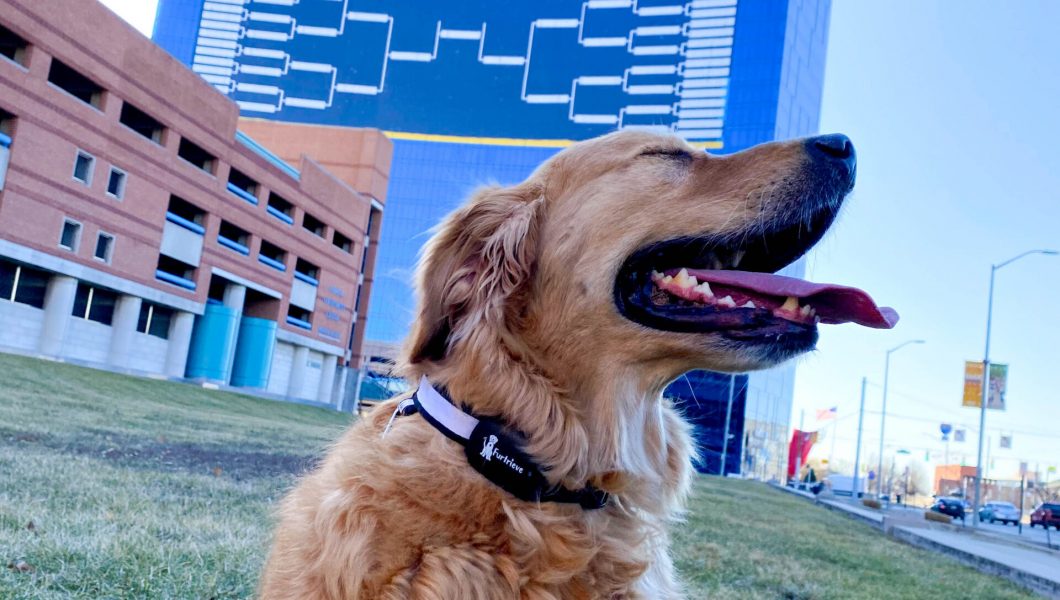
(540,73)
(481,91)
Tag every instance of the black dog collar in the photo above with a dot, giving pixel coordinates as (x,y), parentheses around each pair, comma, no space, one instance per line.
(494,451)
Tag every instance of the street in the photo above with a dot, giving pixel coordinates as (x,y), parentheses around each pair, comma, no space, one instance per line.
(1035,535)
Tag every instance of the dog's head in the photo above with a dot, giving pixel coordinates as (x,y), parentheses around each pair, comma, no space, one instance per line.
(636,249)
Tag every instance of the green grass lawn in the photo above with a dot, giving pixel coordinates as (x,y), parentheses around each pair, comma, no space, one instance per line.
(149,489)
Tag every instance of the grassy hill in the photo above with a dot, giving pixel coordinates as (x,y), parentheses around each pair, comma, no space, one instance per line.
(119,487)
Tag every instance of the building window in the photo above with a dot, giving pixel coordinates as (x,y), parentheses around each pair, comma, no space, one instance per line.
(84,165)
(141,123)
(312,225)
(243,186)
(154,320)
(299,317)
(175,272)
(280,208)
(272,255)
(77,85)
(70,237)
(116,183)
(195,155)
(12,46)
(343,243)
(307,271)
(22,284)
(186,214)
(104,247)
(94,304)
(7,131)
(234,238)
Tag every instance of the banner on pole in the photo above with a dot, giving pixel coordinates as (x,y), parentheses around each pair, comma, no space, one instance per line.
(958,435)
(973,385)
(799,450)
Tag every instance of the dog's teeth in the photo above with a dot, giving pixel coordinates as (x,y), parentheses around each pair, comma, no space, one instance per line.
(749,304)
(813,312)
(667,280)
(727,301)
(682,280)
(805,310)
(791,304)
(704,288)
(656,276)
(715,263)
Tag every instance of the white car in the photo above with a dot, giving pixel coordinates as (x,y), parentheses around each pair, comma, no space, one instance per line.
(1004,512)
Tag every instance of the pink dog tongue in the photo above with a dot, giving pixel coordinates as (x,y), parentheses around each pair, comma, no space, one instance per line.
(834,303)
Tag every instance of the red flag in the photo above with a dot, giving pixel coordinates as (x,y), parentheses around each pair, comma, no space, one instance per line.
(799,449)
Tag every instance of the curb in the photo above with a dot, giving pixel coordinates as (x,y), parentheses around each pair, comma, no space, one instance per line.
(1028,581)
(1034,583)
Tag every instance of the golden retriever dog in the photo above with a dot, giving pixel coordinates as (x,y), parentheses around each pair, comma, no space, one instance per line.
(556,311)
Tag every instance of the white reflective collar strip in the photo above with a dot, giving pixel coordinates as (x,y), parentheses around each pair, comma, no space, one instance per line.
(443,411)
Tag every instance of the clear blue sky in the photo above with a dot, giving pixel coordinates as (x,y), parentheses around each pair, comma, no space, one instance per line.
(953,109)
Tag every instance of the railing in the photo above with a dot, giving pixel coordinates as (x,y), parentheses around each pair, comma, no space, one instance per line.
(298,322)
(275,264)
(233,245)
(306,278)
(175,280)
(186,224)
(279,214)
(269,156)
(238,191)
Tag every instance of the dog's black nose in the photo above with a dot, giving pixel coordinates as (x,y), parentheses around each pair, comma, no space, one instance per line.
(834,146)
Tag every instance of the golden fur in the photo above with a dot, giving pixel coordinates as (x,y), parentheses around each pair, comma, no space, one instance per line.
(517,319)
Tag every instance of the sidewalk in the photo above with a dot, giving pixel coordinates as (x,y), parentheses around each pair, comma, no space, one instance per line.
(1031,566)
(1037,570)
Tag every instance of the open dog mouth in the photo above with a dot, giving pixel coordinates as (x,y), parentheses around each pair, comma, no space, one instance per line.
(704,285)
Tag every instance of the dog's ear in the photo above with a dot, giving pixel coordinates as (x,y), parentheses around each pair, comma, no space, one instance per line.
(482,256)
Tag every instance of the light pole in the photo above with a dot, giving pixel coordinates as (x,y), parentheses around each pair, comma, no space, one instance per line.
(728,417)
(854,493)
(986,376)
(883,413)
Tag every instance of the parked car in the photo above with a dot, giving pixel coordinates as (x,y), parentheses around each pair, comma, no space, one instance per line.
(1047,515)
(948,505)
(1003,512)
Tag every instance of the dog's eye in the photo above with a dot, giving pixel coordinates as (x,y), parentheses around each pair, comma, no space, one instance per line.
(675,153)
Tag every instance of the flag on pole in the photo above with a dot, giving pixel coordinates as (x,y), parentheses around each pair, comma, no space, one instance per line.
(824,414)
(799,450)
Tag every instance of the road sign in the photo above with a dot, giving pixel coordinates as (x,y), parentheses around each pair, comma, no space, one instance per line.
(958,435)
(945,428)
(1006,441)
(973,385)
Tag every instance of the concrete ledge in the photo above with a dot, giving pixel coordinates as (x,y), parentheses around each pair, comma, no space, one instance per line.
(1050,588)
(1046,581)
(866,515)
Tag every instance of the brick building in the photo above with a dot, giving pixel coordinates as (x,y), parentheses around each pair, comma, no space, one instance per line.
(139,229)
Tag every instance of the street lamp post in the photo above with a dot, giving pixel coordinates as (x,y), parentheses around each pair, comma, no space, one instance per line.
(883,413)
(854,493)
(986,376)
